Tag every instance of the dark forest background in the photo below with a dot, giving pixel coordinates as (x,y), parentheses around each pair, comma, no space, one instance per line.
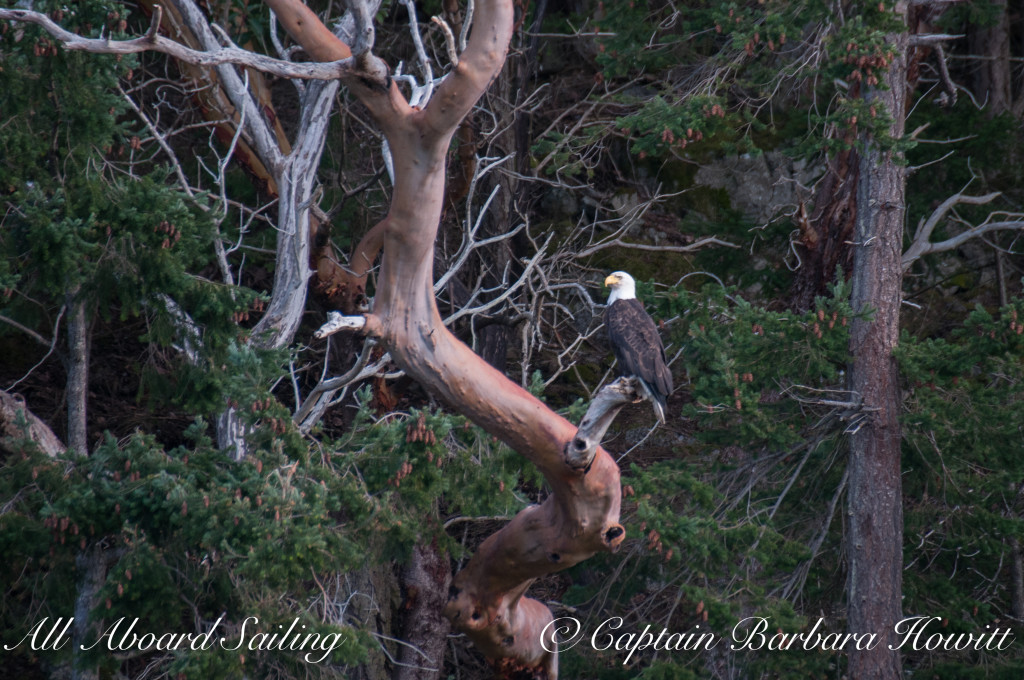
(713,150)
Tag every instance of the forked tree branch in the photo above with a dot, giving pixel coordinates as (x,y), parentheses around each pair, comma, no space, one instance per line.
(196,27)
(369,81)
(922,244)
(927,226)
(581,516)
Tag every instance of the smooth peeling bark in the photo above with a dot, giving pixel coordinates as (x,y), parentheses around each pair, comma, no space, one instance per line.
(581,515)
(380,95)
(577,520)
(305,28)
(346,286)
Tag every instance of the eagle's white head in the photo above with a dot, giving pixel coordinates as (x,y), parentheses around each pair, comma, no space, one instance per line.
(623,286)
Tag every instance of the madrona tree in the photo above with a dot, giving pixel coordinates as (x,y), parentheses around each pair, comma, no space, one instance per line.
(580,517)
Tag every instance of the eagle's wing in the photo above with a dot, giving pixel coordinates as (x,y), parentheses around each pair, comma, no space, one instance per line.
(637,345)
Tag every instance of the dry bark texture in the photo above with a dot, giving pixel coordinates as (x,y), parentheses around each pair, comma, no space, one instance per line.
(214,102)
(993,73)
(581,515)
(425,580)
(825,234)
(17,422)
(875,536)
(78,373)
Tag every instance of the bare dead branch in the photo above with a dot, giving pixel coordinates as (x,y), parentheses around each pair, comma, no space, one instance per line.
(152,42)
(266,142)
(925,229)
(478,64)
(949,97)
(963,237)
(322,397)
(55,336)
(421,52)
(466,23)
(796,583)
(26,330)
(162,141)
(449,39)
(931,39)
(530,265)
(619,243)
(922,245)
(336,322)
(579,453)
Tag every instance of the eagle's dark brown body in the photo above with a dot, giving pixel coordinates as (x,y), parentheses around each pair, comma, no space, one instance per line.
(639,350)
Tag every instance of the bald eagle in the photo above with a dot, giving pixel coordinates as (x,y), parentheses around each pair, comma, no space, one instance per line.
(636,342)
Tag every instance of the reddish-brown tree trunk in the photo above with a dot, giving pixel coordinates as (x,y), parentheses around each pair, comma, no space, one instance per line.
(874,539)
(580,517)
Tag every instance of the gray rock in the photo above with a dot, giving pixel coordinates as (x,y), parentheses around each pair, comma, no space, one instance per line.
(761,186)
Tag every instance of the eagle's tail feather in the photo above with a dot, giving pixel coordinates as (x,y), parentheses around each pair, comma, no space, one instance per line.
(657,401)
(659,408)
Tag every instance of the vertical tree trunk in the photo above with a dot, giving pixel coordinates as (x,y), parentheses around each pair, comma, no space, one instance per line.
(92,572)
(992,73)
(78,373)
(293,170)
(426,580)
(1016,579)
(875,535)
(295,178)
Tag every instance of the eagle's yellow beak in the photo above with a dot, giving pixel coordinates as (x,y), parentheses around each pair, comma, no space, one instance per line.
(612,280)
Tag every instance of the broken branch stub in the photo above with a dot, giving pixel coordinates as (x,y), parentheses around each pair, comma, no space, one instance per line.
(579,453)
(337,322)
